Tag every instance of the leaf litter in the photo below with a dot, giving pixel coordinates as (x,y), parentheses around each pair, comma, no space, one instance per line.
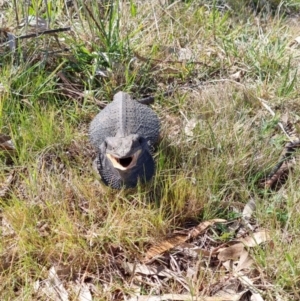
(176,263)
(181,258)
(55,288)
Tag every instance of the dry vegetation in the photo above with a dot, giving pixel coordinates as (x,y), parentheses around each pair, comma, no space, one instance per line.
(189,234)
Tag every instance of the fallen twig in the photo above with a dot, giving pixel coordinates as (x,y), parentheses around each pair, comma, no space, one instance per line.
(39,33)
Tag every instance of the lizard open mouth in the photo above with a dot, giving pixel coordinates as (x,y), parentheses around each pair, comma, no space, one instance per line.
(125,162)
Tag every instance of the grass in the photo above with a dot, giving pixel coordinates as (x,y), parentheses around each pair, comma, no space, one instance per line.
(57,213)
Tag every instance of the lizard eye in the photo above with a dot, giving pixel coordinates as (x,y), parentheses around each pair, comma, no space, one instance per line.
(103,145)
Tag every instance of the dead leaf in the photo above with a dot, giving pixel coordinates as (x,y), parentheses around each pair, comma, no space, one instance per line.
(255,239)
(249,209)
(244,262)
(295,42)
(236,250)
(237,76)
(161,271)
(82,291)
(146,269)
(248,283)
(231,253)
(256,297)
(52,287)
(178,239)
(103,72)
(6,144)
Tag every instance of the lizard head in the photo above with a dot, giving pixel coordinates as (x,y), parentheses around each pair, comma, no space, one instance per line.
(124,152)
(123,161)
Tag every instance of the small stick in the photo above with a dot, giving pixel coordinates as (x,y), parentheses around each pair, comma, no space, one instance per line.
(50,31)
(93,18)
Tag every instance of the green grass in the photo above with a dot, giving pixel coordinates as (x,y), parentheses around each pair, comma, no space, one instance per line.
(58,212)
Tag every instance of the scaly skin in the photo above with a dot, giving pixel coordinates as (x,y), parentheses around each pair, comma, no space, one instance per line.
(123,133)
(113,174)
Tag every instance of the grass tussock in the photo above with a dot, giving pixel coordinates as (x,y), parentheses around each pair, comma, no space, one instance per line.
(217,140)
